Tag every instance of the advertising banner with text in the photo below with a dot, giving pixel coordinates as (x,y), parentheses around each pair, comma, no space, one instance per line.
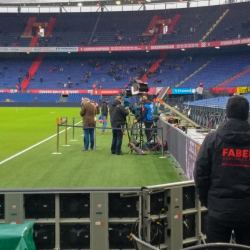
(128,47)
(107,92)
(65,92)
(223,90)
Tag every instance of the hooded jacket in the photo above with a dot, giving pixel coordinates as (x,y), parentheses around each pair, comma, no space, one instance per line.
(117,114)
(146,114)
(105,109)
(222,172)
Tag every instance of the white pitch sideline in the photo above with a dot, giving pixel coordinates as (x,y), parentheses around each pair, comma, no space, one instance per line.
(27,149)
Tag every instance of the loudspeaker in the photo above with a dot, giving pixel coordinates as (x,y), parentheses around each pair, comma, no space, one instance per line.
(39,206)
(44,236)
(75,236)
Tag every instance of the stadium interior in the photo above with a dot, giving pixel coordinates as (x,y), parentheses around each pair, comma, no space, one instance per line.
(53,195)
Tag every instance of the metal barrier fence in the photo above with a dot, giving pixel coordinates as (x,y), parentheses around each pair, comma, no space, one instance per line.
(157,130)
(183,148)
(209,117)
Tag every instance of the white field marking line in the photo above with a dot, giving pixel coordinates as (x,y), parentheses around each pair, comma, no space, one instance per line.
(25,150)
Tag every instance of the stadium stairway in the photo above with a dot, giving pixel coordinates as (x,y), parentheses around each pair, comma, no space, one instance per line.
(154,21)
(29,26)
(234,77)
(32,70)
(33,41)
(154,39)
(63,99)
(50,26)
(47,33)
(93,32)
(172,24)
(163,55)
(214,25)
(152,69)
(194,73)
(152,24)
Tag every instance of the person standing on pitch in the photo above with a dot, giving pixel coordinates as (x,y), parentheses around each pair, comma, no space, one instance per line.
(104,113)
(146,116)
(88,112)
(222,176)
(118,119)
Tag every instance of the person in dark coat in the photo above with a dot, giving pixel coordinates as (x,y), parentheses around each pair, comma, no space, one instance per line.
(105,112)
(88,112)
(118,119)
(222,176)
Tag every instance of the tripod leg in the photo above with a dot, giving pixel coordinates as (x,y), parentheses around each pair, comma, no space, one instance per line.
(129,138)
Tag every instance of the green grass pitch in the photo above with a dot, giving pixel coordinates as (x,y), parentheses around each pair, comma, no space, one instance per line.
(22,128)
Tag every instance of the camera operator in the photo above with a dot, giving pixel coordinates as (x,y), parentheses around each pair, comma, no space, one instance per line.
(146,116)
(118,115)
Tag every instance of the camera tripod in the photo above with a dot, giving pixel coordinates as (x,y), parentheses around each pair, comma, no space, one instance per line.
(138,138)
(132,142)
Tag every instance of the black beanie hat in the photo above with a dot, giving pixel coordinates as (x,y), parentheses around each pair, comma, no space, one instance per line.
(237,107)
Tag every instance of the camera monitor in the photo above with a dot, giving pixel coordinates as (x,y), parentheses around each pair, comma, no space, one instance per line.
(127,92)
(139,87)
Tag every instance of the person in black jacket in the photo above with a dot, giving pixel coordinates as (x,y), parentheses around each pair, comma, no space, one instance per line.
(222,175)
(104,115)
(118,118)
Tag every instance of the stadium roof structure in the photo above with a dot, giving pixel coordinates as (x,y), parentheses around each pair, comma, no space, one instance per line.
(94,2)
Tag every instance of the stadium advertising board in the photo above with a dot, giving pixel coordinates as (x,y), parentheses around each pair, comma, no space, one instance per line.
(225,90)
(128,48)
(242,90)
(111,48)
(107,92)
(192,149)
(66,49)
(57,91)
(154,90)
(185,91)
(73,91)
(8,90)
